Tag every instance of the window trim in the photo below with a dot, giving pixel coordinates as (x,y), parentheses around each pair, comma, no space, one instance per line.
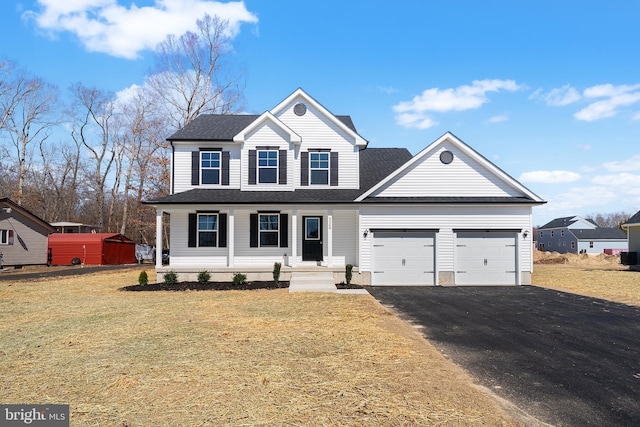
(276,231)
(4,237)
(591,244)
(219,168)
(276,168)
(216,230)
(327,169)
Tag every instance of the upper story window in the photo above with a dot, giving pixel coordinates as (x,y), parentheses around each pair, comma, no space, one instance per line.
(318,168)
(208,230)
(269,229)
(268,166)
(591,244)
(561,233)
(210,167)
(551,233)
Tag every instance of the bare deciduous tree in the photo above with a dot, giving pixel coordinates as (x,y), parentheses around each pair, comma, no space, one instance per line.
(93,122)
(30,119)
(610,220)
(192,76)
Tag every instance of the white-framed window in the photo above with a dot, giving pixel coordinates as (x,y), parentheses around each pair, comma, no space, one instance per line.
(564,244)
(210,167)
(591,244)
(573,245)
(268,166)
(319,168)
(561,233)
(208,230)
(269,229)
(551,233)
(540,233)
(4,237)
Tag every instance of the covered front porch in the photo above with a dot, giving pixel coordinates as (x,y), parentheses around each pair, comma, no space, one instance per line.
(225,240)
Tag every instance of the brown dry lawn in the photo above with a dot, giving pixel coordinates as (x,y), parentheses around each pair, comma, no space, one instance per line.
(595,276)
(225,358)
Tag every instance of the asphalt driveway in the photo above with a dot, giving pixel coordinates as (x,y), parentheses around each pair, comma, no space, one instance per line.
(562,358)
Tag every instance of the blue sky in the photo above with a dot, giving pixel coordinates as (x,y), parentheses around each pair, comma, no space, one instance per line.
(547,90)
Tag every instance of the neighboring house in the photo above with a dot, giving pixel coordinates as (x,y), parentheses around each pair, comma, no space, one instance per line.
(633,233)
(298,185)
(579,235)
(23,235)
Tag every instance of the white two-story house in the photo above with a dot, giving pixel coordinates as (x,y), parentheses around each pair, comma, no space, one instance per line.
(299,186)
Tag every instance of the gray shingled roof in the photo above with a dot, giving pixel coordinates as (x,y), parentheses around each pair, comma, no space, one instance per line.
(600,233)
(564,222)
(634,219)
(223,127)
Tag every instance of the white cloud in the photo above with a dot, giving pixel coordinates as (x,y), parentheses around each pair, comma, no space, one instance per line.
(498,119)
(636,116)
(416,120)
(108,27)
(462,98)
(623,180)
(549,177)
(630,164)
(558,97)
(580,198)
(615,97)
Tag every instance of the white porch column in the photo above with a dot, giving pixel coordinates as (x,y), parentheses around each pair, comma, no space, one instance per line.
(330,238)
(294,238)
(159,238)
(231,239)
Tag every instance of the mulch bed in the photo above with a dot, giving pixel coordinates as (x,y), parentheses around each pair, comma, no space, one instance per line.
(210,286)
(219,286)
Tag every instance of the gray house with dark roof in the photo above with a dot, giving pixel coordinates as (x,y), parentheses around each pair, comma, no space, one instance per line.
(299,186)
(579,235)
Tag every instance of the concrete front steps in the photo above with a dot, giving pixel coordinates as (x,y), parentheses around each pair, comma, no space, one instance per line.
(312,281)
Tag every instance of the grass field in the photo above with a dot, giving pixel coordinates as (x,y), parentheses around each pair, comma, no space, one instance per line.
(224,358)
(613,282)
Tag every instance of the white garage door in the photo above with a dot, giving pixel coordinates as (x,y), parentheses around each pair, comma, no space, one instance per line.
(403,258)
(486,258)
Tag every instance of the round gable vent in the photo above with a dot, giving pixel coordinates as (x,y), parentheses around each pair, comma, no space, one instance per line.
(300,109)
(446,157)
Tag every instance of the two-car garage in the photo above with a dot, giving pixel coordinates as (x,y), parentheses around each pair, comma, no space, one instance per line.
(408,257)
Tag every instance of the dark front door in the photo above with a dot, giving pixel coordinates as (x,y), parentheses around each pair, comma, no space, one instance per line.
(312,238)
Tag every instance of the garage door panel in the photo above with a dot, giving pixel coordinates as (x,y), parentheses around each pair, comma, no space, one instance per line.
(403,258)
(486,258)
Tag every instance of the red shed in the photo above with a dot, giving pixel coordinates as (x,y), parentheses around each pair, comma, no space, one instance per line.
(91,248)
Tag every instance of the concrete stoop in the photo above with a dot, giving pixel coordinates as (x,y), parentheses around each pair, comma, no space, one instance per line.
(312,281)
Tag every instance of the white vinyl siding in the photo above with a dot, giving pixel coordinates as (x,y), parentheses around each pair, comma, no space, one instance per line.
(182,165)
(268,135)
(445,219)
(464,177)
(318,132)
(184,256)
(345,236)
